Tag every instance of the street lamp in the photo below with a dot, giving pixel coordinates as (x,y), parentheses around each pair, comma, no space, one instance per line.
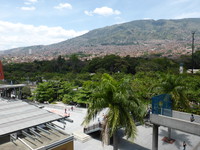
(193,51)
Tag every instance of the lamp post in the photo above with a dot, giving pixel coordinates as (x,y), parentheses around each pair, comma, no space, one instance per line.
(193,51)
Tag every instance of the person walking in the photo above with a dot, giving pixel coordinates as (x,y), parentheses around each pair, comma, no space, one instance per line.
(184,145)
(148,113)
(192,118)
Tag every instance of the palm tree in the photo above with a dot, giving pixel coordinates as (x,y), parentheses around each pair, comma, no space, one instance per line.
(122,107)
(174,86)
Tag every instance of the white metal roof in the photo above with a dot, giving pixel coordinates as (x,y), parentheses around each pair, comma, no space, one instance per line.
(11,86)
(17,115)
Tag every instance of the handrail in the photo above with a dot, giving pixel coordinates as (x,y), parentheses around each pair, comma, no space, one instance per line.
(92,127)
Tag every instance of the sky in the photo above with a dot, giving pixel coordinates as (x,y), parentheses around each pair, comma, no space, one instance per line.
(43,22)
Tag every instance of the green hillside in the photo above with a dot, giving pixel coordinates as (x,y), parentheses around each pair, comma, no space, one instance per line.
(141,30)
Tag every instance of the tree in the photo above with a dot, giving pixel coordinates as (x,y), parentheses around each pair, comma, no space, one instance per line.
(45,92)
(142,83)
(65,91)
(26,92)
(82,95)
(75,64)
(123,107)
(157,64)
(193,92)
(60,65)
(176,87)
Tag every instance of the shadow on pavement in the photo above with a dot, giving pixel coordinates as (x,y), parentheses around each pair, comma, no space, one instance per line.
(96,135)
(179,137)
(123,144)
(127,145)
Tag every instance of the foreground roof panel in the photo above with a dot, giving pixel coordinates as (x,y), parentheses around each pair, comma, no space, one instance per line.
(17,115)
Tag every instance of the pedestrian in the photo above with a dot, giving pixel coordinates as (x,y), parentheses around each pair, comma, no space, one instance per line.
(192,118)
(72,108)
(148,113)
(184,145)
(65,110)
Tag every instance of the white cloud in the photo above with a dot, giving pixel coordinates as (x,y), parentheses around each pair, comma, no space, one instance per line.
(28,8)
(19,35)
(27,3)
(89,13)
(104,11)
(175,2)
(188,15)
(63,6)
(32,1)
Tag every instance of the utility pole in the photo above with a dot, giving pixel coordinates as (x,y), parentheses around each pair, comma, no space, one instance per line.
(193,51)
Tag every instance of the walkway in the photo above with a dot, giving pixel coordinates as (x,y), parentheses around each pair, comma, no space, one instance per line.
(143,140)
(180,121)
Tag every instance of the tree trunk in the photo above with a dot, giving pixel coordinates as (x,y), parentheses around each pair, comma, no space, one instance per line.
(107,136)
(115,140)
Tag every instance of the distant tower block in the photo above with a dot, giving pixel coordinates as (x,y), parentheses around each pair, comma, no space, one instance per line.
(30,51)
(181,68)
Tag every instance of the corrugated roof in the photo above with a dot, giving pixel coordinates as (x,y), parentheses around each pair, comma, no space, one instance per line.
(17,115)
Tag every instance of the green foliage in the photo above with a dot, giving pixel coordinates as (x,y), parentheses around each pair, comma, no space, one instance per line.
(54,91)
(187,60)
(143,83)
(66,69)
(65,92)
(83,95)
(121,104)
(157,64)
(45,91)
(63,76)
(176,87)
(67,99)
(26,92)
(193,92)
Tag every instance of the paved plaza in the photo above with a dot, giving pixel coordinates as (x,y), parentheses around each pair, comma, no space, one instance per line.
(143,140)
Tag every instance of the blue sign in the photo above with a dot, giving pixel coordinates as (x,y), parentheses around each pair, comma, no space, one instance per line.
(162,104)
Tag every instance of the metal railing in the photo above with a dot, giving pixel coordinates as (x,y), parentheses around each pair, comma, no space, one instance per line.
(93,128)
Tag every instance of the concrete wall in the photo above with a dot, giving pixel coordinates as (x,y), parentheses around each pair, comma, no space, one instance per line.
(185,116)
(174,123)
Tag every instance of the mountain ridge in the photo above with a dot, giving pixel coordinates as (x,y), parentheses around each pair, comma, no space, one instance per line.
(133,36)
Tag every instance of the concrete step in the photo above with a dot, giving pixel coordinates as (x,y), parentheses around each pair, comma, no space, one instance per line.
(148,124)
(80,136)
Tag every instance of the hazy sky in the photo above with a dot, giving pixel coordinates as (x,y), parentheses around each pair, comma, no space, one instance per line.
(33,22)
